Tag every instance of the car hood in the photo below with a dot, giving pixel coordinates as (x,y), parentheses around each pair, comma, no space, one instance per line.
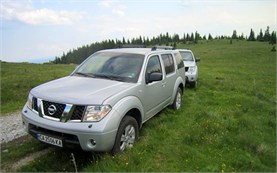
(189,63)
(79,90)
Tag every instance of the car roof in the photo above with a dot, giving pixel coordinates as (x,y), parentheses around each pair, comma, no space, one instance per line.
(142,51)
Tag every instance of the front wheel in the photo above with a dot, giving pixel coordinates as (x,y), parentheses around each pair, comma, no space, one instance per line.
(126,135)
(178,99)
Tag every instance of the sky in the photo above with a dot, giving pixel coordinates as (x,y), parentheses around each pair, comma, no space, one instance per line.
(33,30)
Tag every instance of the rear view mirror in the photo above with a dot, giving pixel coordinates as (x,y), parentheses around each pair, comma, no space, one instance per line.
(154,77)
(197,59)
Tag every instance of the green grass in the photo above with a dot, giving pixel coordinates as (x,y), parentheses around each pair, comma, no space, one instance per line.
(13,152)
(17,79)
(227,124)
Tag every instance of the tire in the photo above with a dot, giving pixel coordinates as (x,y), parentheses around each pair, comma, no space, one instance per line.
(126,136)
(177,104)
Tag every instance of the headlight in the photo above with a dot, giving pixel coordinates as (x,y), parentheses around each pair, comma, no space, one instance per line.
(96,113)
(30,101)
(191,69)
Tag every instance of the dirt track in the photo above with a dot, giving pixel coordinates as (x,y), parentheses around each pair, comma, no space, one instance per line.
(11,127)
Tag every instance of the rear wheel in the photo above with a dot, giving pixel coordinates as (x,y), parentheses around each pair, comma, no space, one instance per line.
(178,99)
(126,135)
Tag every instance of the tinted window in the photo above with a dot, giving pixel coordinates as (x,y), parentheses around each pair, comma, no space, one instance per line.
(112,65)
(168,63)
(179,60)
(187,56)
(153,66)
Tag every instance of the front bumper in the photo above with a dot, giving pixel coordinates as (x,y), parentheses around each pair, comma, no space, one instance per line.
(90,136)
(192,76)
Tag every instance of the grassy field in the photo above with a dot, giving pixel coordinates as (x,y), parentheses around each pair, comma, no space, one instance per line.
(17,79)
(228,124)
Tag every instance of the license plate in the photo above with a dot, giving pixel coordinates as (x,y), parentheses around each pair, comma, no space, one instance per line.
(50,140)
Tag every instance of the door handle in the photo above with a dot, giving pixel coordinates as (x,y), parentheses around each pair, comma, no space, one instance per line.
(163,84)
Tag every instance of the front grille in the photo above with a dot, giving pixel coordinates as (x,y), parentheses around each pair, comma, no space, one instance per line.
(186,69)
(78,113)
(59,109)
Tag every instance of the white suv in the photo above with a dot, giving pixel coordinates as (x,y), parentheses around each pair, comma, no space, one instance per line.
(104,102)
(190,67)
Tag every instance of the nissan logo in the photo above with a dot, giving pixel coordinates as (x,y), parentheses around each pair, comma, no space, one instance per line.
(52,109)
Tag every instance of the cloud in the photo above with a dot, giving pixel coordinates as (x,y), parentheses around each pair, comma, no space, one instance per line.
(119,10)
(115,7)
(107,3)
(25,12)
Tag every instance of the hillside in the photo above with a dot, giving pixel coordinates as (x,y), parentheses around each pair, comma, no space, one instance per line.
(17,79)
(228,124)
(76,56)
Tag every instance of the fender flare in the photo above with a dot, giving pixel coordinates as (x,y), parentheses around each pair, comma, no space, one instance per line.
(123,106)
(179,81)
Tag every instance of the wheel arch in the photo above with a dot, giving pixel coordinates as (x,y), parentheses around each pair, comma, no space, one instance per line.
(135,113)
(178,84)
(130,106)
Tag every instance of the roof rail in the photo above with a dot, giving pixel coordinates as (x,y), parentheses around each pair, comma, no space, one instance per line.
(162,47)
(132,46)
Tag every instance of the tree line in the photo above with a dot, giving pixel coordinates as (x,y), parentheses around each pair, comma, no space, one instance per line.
(76,56)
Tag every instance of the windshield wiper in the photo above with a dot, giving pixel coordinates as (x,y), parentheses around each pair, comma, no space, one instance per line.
(117,78)
(84,74)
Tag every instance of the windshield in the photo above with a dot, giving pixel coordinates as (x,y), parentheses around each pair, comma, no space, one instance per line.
(187,56)
(112,65)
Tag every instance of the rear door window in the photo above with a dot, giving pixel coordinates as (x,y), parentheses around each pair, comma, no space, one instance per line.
(168,63)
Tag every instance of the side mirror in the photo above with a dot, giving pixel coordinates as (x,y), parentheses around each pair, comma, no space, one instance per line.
(154,77)
(197,59)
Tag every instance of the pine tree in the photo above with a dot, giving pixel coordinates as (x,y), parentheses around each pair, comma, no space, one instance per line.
(188,37)
(195,41)
(260,37)
(267,34)
(272,38)
(251,36)
(234,36)
(174,45)
(63,59)
(192,37)
(167,36)
(147,42)
(140,40)
(176,38)
(241,37)
(184,38)
(210,37)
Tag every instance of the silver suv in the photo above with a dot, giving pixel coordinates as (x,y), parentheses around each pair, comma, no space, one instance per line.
(104,102)
(191,67)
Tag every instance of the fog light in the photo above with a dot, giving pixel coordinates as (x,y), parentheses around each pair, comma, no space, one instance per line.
(93,142)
